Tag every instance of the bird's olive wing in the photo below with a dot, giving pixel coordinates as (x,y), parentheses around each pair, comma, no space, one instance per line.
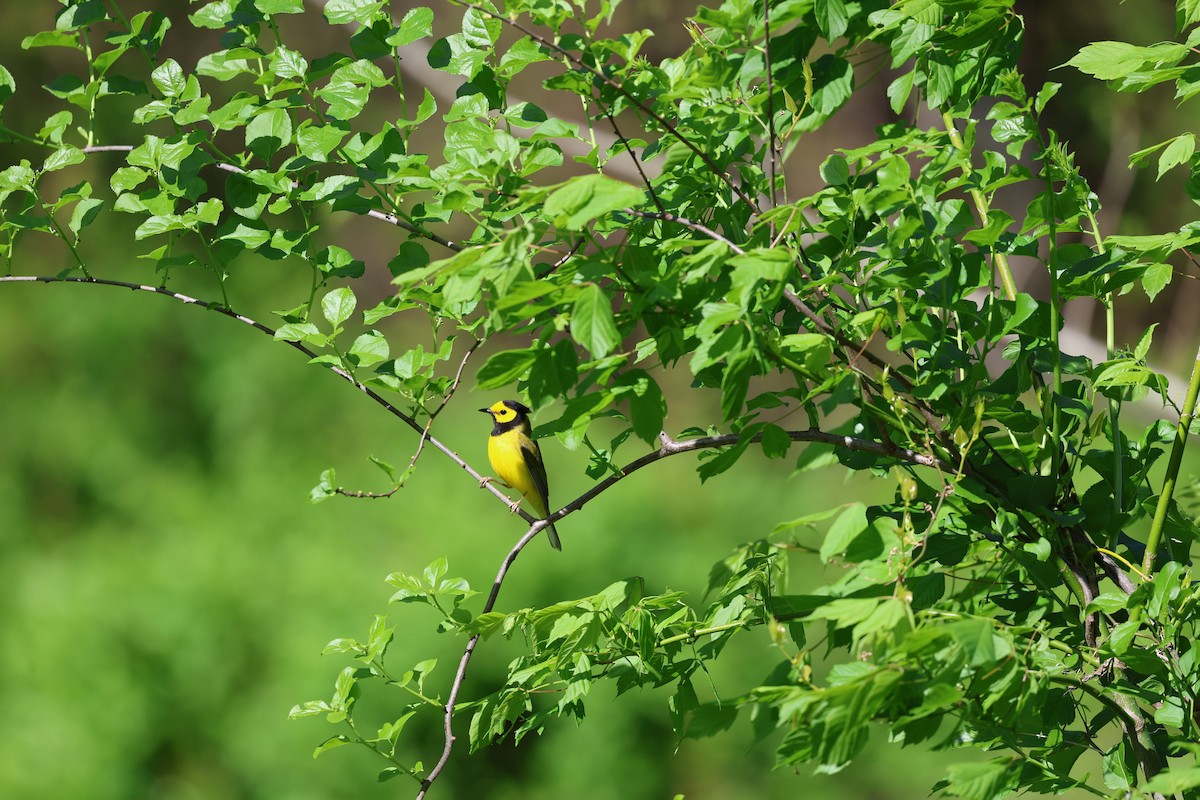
(537,470)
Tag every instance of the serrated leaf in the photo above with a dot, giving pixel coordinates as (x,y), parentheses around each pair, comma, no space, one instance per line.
(844,529)
(583,199)
(504,368)
(592,322)
(338,305)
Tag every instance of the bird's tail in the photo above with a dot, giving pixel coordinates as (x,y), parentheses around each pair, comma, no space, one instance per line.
(552,535)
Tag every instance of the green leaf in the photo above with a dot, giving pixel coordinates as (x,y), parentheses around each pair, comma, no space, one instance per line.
(302,332)
(169,78)
(270,8)
(832,18)
(268,131)
(592,323)
(337,262)
(647,406)
(1179,151)
(583,199)
(844,530)
(370,348)
(338,305)
(1173,781)
(1111,60)
(416,24)
(84,214)
(835,171)
(342,12)
(810,353)
(775,441)
(504,368)
(331,743)
(983,781)
(63,157)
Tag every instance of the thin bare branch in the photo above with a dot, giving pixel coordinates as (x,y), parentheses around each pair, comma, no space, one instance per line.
(637,163)
(673,447)
(449,393)
(687,223)
(360,495)
(341,373)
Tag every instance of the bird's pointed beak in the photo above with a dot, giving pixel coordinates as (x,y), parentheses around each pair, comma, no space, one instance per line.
(486,410)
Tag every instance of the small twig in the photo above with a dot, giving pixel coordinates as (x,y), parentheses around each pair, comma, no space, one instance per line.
(360,495)
(632,155)
(563,259)
(449,393)
(687,223)
(1108,562)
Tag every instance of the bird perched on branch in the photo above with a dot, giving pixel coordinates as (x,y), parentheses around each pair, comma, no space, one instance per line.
(517,459)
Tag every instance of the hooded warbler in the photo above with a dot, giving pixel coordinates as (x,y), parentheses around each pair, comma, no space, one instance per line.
(517,459)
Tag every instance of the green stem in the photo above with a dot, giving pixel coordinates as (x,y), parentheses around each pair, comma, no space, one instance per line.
(6,131)
(1168,487)
(1055,319)
(696,634)
(67,241)
(1114,408)
(999,260)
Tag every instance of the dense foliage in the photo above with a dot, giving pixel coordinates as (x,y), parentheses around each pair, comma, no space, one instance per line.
(1025,592)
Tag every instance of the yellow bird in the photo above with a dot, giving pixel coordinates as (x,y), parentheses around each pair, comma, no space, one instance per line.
(517,459)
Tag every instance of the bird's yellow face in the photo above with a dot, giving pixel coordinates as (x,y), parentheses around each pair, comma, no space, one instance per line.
(501,411)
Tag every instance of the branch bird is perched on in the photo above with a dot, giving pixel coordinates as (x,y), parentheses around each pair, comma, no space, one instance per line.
(517,459)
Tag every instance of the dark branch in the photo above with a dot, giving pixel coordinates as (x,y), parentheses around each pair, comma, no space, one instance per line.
(637,164)
(672,447)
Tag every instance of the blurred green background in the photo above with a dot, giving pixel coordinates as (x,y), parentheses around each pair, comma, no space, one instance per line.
(166,588)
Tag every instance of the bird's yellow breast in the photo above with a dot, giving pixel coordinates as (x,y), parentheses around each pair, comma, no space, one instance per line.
(508,460)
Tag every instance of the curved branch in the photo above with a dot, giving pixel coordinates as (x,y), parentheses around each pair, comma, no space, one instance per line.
(672,447)
(461,674)
(341,373)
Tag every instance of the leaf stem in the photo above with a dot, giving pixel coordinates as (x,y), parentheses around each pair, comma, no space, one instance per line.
(1168,486)
(999,260)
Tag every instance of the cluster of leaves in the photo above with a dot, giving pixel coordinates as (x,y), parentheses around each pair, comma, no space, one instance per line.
(995,602)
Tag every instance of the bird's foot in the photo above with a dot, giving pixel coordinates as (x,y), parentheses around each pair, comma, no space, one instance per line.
(485,481)
(514,506)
